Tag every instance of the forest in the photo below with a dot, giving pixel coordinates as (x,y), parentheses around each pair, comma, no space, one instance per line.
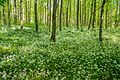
(59,39)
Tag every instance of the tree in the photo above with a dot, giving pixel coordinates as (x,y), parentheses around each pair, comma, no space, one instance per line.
(116,13)
(61,10)
(21,15)
(53,35)
(29,11)
(77,15)
(67,13)
(36,15)
(91,15)
(15,12)
(9,21)
(101,21)
(4,16)
(94,15)
(26,9)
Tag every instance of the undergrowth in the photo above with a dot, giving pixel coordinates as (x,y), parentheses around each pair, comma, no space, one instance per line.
(27,55)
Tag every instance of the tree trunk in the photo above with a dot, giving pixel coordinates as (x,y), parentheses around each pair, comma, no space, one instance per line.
(26,10)
(94,15)
(101,21)
(116,14)
(61,10)
(9,21)
(36,16)
(106,17)
(53,35)
(67,13)
(29,11)
(4,16)
(15,12)
(21,15)
(91,15)
(77,15)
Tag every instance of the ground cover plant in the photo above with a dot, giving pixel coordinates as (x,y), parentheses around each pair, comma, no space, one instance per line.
(59,39)
(26,55)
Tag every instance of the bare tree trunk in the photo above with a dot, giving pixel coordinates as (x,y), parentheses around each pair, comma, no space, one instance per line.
(77,15)
(94,15)
(101,21)
(15,12)
(106,17)
(29,11)
(53,35)
(36,15)
(21,15)
(4,16)
(9,21)
(67,13)
(70,12)
(26,10)
(116,14)
(61,10)
(91,15)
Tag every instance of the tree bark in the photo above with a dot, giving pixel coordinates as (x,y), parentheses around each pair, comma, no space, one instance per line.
(53,35)
(9,21)
(61,10)
(21,15)
(101,21)
(15,12)
(36,15)
(91,15)
(4,16)
(77,15)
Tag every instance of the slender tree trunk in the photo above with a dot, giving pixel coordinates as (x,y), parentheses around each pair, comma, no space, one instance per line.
(47,16)
(50,16)
(98,14)
(80,13)
(119,14)
(116,14)
(26,10)
(21,15)
(4,16)
(106,17)
(110,15)
(70,12)
(0,15)
(29,11)
(77,15)
(67,13)
(91,15)
(9,21)
(18,11)
(94,15)
(36,15)
(53,35)
(101,21)
(15,12)
(84,12)
(61,9)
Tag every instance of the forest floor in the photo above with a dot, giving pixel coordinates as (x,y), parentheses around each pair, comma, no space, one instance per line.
(27,55)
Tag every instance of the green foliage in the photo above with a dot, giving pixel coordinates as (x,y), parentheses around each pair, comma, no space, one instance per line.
(26,55)
(2,1)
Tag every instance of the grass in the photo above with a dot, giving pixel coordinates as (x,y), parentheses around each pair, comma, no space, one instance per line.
(27,55)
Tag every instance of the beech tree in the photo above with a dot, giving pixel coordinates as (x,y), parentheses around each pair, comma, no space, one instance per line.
(101,21)
(53,35)
(21,15)
(36,15)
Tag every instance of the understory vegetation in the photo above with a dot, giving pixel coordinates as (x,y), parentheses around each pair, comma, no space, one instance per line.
(77,55)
